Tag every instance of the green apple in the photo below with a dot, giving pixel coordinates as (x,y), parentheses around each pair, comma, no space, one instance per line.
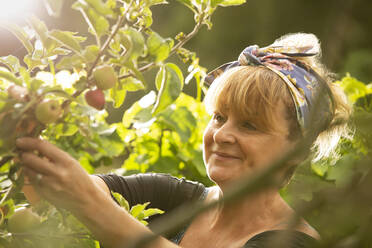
(95,98)
(105,77)
(48,111)
(23,220)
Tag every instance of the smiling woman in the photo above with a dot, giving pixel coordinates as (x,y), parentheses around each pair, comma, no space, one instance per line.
(262,107)
(15,10)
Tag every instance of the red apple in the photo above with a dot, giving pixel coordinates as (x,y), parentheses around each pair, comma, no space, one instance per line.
(95,98)
(48,111)
(105,77)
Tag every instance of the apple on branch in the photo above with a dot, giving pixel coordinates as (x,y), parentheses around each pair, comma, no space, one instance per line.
(23,220)
(48,111)
(18,93)
(105,77)
(95,98)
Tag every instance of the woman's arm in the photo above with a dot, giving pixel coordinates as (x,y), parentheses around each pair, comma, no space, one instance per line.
(66,184)
(101,184)
(113,226)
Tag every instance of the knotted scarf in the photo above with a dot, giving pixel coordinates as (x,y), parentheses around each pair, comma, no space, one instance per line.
(304,84)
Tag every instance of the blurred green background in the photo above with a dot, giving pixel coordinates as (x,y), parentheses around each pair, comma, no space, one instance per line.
(343,26)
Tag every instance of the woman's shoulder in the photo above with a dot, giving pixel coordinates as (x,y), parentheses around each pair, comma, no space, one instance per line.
(281,238)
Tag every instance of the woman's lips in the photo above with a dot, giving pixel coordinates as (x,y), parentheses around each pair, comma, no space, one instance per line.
(224,156)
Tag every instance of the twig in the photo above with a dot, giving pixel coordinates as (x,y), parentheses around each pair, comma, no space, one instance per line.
(101,52)
(90,25)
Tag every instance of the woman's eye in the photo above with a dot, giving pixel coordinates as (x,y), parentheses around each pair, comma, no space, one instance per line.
(249,126)
(218,118)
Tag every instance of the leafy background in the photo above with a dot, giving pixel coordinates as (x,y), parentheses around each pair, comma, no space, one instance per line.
(147,130)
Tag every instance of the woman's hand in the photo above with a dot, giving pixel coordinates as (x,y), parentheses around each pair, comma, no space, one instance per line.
(61,180)
(55,175)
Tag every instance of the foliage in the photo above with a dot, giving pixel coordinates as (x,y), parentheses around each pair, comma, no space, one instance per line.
(158,133)
(335,190)
(161,132)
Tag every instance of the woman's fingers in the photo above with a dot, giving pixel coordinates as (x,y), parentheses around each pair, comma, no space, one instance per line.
(45,148)
(37,164)
(31,176)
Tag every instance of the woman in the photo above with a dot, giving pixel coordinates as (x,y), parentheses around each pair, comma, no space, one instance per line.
(262,106)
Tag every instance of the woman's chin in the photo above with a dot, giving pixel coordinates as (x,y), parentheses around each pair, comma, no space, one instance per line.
(222,177)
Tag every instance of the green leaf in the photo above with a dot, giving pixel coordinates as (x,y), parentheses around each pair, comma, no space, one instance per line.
(159,47)
(136,210)
(25,74)
(42,32)
(54,7)
(136,114)
(68,39)
(125,40)
(155,2)
(132,84)
(187,3)
(70,62)
(40,29)
(90,53)
(144,222)
(33,63)
(160,77)
(99,6)
(152,211)
(136,72)
(165,164)
(98,24)
(85,163)
(343,171)
(169,81)
(58,51)
(353,88)
(121,200)
(137,41)
(11,62)
(65,129)
(118,94)
(226,3)
(21,35)
(38,53)
(180,120)
(4,73)
(102,25)
(145,19)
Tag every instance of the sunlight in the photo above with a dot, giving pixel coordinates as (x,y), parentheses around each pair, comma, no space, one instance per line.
(16,9)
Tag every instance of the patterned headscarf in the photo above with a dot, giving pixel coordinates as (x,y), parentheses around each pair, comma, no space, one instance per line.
(302,81)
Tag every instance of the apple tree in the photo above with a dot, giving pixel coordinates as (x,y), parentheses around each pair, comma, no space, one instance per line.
(64,90)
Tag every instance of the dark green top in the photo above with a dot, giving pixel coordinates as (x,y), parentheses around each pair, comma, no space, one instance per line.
(168,193)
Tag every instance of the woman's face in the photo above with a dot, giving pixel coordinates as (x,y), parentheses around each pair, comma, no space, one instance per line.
(234,147)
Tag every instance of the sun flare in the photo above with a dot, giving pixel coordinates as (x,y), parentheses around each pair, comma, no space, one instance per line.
(14,10)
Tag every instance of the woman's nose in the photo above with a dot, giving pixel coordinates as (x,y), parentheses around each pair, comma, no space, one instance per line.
(224,134)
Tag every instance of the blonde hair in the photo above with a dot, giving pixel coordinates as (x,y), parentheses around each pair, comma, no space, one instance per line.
(255,91)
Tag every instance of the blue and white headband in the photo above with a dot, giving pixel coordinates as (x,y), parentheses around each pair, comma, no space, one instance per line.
(305,85)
